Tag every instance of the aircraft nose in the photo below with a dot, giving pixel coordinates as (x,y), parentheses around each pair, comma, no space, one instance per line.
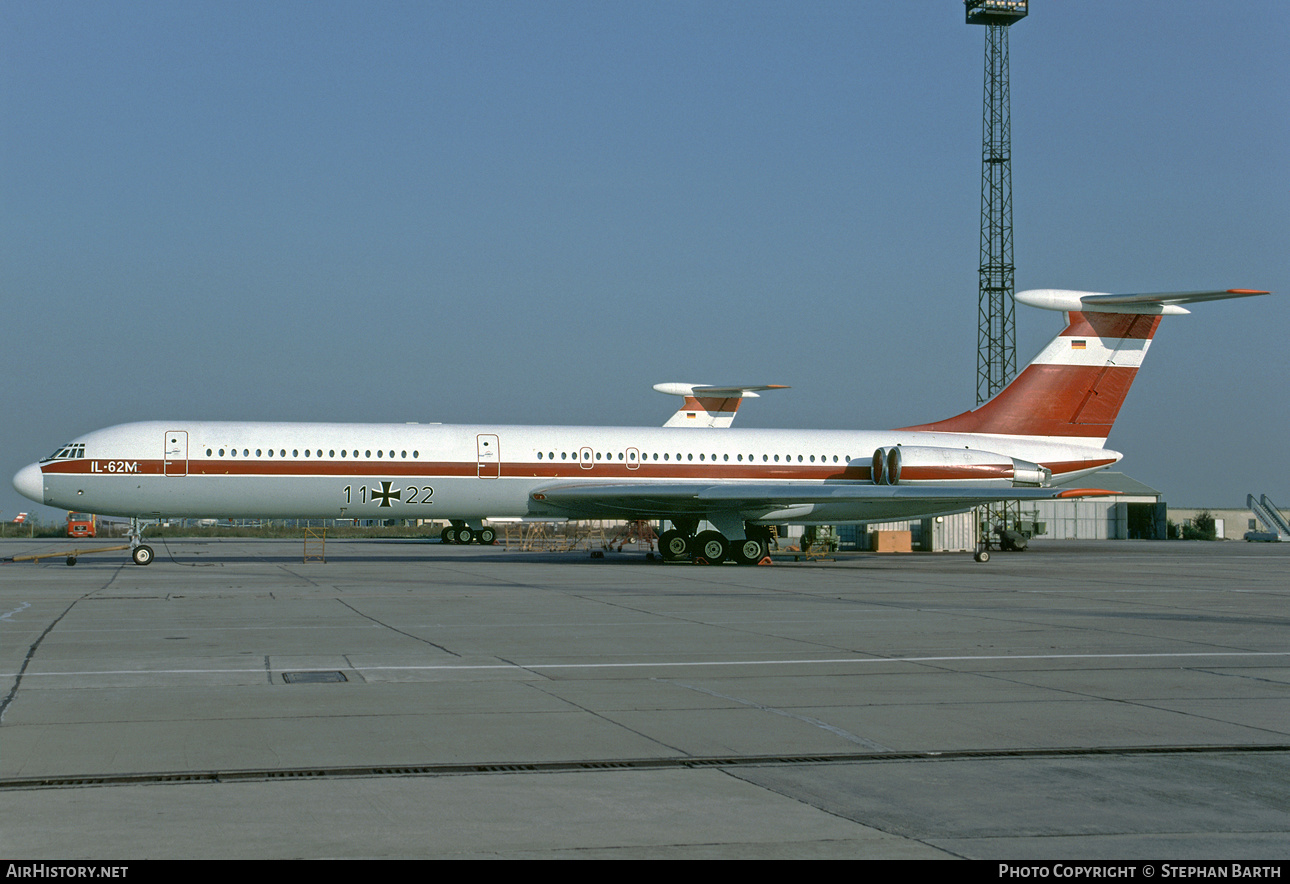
(30,482)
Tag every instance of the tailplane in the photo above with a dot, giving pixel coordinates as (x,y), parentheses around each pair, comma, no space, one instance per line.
(1073,390)
(710,406)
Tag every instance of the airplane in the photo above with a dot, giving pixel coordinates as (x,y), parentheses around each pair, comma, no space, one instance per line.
(1044,431)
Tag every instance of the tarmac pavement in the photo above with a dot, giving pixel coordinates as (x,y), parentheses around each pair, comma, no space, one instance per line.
(405,699)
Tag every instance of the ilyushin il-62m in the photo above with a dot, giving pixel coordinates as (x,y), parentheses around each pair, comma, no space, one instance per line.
(1038,438)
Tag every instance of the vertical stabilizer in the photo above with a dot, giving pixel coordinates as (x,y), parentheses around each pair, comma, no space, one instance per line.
(1072,391)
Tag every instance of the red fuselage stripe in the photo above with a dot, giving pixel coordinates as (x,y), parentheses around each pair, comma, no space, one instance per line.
(571,469)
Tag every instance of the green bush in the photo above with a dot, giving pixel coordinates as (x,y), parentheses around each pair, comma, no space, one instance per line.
(1200,528)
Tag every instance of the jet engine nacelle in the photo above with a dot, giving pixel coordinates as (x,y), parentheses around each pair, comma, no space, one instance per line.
(924,465)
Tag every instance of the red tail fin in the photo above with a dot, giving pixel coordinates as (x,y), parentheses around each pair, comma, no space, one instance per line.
(1073,388)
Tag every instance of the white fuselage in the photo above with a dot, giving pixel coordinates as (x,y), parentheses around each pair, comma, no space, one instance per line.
(470,472)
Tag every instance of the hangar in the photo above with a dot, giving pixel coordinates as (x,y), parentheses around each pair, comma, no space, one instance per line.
(1136,512)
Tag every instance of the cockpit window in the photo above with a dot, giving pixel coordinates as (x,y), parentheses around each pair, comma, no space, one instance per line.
(67,452)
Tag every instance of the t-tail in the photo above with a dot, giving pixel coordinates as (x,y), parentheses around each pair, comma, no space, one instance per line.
(706,406)
(1072,391)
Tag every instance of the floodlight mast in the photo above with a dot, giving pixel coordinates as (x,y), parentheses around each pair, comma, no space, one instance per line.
(996,339)
(996,322)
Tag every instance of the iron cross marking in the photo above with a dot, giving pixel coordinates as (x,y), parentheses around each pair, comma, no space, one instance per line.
(385,494)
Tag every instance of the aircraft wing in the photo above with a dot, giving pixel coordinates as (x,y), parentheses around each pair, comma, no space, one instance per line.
(752,501)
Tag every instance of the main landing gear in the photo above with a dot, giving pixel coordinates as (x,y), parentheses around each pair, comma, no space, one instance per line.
(681,544)
(460,532)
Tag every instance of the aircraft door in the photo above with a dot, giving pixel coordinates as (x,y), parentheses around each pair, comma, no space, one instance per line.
(488,456)
(175,462)
(633,459)
(585,457)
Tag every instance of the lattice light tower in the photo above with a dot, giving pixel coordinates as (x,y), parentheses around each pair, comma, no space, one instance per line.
(996,360)
(996,336)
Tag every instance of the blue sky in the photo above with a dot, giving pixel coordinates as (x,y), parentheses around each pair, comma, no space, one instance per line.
(532,212)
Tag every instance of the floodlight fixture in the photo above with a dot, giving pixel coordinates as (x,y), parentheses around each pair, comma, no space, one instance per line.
(994,12)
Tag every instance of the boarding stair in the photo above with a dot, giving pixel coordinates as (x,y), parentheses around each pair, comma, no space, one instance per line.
(1267,513)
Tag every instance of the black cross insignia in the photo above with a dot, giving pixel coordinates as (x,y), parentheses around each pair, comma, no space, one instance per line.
(385,494)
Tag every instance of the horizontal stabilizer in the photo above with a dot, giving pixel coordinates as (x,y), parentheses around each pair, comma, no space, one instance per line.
(697,390)
(1159,303)
(708,406)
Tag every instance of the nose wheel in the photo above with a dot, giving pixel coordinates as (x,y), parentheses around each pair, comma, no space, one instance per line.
(140,552)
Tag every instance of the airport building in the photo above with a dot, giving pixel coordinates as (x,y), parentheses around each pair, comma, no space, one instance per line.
(1136,512)
(1229,523)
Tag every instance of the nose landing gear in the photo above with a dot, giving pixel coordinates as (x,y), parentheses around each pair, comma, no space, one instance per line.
(140,552)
